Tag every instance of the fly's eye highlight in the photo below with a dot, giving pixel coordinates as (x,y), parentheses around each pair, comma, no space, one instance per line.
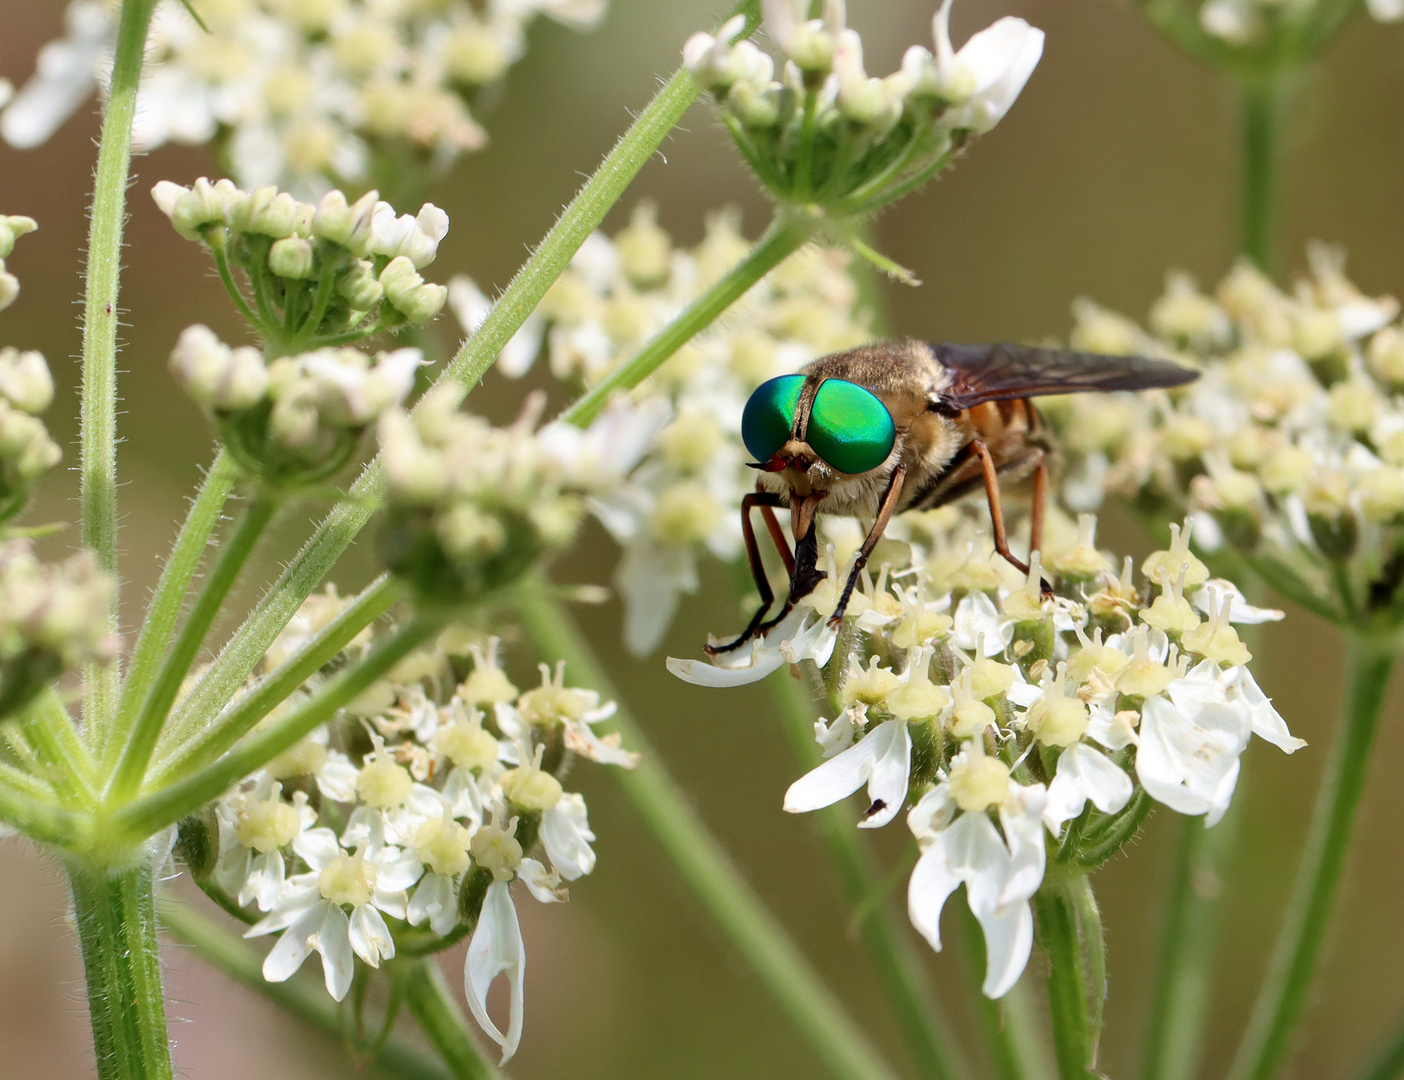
(850,427)
(769,414)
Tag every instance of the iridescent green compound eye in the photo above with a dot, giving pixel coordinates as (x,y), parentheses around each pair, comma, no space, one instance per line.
(850,427)
(769,414)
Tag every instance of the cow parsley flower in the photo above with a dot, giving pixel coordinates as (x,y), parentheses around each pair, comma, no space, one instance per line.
(1015,725)
(408,818)
(306,96)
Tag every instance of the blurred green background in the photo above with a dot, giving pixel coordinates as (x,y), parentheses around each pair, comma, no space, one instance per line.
(1118,162)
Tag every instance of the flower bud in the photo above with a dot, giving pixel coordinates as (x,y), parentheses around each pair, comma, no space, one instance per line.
(475,55)
(347,225)
(359,287)
(267,212)
(1386,355)
(291,257)
(214,375)
(11,229)
(409,294)
(1382,495)
(9,287)
(25,380)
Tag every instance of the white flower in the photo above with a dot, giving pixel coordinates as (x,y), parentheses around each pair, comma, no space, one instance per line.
(66,73)
(566,835)
(881,759)
(1188,759)
(497,949)
(311,913)
(1084,773)
(255,825)
(802,635)
(1000,872)
(986,76)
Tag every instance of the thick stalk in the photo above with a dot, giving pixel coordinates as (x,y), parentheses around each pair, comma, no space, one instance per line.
(1067,981)
(1283,993)
(431,1004)
(1262,107)
(891,946)
(149,722)
(98,439)
(790,231)
(116,919)
(836,1040)
(138,820)
(243,963)
(169,598)
(474,357)
(1174,1040)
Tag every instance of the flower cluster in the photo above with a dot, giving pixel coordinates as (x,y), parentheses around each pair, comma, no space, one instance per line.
(471,507)
(997,713)
(294,93)
(681,499)
(1289,447)
(53,618)
(829,134)
(401,826)
(1254,23)
(296,419)
(26,389)
(317,274)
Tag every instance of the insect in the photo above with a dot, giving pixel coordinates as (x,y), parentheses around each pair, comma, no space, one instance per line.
(907,425)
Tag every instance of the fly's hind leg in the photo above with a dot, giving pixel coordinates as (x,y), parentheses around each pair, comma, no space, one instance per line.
(766,500)
(992,495)
(885,511)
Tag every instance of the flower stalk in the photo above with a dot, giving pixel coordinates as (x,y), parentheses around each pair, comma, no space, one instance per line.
(1284,990)
(718,885)
(1262,114)
(116,919)
(1056,918)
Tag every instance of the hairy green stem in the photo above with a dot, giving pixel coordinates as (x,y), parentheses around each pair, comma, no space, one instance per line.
(1056,919)
(244,712)
(149,722)
(169,598)
(1174,1040)
(1262,107)
(139,819)
(336,533)
(891,946)
(61,752)
(243,963)
(837,1041)
(27,807)
(116,920)
(787,234)
(1284,990)
(430,1002)
(98,435)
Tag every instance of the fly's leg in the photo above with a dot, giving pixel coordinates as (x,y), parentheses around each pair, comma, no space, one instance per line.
(885,511)
(766,500)
(1001,539)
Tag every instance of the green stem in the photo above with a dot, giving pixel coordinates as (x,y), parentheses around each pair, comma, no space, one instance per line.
(1067,981)
(239,718)
(1284,990)
(116,919)
(837,1041)
(787,234)
(430,1002)
(892,948)
(1174,1041)
(243,963)
(1126,824)
(1262,108)
(169,598)
(26,806)
(140,819)
(1387,1063)
(49,730)
(98,439)
(521,297)
(144,733)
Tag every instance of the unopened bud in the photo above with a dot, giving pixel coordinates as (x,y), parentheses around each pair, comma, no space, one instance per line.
(25,380)
(11,229)
(291,257)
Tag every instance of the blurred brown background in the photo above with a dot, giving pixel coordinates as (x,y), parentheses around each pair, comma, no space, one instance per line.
(1117,163)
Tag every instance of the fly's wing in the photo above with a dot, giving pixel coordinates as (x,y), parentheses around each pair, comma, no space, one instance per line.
(976,373)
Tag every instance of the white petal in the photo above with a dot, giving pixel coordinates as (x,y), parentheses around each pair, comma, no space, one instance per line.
(931,885)
(496,949)
(543,884)
(399,872)
(317,847)
(1008,942)
(336,779)
(288,954)
(370,937)
(605,751)
(932,814)
(1084,773)
(265,880)
(430,902)
(1022,819)
(1209,598)
(1267,722)
(882,760)
(566,835)
(976,615)
(333,941)
(1185,759)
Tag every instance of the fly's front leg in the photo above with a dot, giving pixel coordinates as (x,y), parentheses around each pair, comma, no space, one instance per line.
(885,511)
(1040,506)
(766,501)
